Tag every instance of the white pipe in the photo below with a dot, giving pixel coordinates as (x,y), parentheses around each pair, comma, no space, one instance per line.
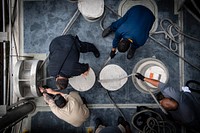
(71,22)
(10,83)
(181,53)
(115,79)
(4,73)
(181,50)
(4,56)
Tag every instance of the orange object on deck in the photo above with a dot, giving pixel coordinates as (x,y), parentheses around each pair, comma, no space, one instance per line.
(151,76)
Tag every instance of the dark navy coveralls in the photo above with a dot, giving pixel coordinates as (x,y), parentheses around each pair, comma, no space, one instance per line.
(64,57)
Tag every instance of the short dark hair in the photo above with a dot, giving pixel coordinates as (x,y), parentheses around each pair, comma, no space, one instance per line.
(169,104)
(59,100)
(123,45)
(62,83)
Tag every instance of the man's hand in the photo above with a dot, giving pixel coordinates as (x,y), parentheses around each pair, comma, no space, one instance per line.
(139,76)
(50,91)
(112,53)
(86,73)
(42,90)
(47,90)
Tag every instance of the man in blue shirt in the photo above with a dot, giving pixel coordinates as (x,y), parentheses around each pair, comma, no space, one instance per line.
(132,30)
(184,107)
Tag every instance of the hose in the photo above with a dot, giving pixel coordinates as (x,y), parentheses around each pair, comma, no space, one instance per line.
(115,104)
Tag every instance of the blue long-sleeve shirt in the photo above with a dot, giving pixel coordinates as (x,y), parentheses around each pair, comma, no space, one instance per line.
(134,25)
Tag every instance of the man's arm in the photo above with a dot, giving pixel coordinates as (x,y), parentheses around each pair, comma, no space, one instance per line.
(116,40)
(168,92)
(86,73)
(151,81)
(79,68)
(49,91)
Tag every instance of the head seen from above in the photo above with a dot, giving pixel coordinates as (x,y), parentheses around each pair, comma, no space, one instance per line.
(124,45)
(169,104)
(61,82)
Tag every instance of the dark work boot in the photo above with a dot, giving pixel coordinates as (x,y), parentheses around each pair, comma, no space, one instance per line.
(106,32)
(97,123)
(124,123)
(84,100)
(130,53)
(95,51)
(89,47)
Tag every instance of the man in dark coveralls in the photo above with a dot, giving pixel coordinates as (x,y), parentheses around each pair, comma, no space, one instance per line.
(64,58)
(131,30)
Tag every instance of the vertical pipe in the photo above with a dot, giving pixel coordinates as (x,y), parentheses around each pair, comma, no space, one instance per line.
(181,53)
(4,56)
(3,15)
(4,73)
(181,50)
(10,53)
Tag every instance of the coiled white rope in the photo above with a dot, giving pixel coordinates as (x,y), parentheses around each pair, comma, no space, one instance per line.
(171,33)
(153,124)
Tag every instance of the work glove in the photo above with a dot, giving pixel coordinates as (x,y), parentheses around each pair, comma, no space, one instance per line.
(45,86)
(139,76)
(112,54)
